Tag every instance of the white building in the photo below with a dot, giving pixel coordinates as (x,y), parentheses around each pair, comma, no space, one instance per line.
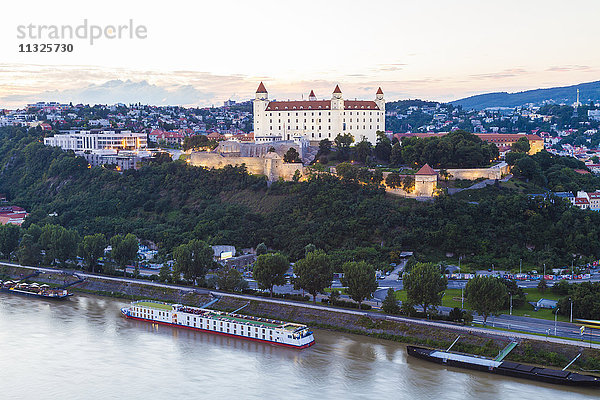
(98,140)
(316,120)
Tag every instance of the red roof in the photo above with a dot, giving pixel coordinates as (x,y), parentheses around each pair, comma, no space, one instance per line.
(312,94)
(581,171)
(261,88)
(337,89)
(581,200)
(299,105)
(379,91)
(11,209)
(426,170)
(360,104)
(319,105)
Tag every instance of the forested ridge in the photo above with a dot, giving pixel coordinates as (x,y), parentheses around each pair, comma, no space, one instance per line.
(171,203)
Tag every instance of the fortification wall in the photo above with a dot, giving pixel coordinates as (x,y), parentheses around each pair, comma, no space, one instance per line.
(495,172)
(272,168)
(255,165)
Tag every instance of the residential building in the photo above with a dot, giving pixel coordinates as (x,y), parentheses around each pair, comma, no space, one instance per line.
(91,140)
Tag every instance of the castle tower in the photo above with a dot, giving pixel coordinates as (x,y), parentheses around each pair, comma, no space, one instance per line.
(425,181)
(337,102)
(261,101)
(311,96)
(379,100)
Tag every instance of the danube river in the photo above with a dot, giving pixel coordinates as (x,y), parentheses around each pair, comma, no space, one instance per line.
(82,349)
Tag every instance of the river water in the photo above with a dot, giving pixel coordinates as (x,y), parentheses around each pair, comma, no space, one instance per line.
(82,349)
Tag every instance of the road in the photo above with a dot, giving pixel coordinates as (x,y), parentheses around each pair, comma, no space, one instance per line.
(530,325)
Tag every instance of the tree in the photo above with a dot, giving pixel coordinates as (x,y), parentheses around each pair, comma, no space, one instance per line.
(362,150)
(486,295)
(396,154)
(521,146)
(164,275)
(29,252)
(313,273)
(425,285)
(408,183)
(261,249)
(193,260)
(393,180)
(343,142)
(561,287)
(230,279)
(390,304)
(291,156)
(325,146)
(91,249)
(269,270)
(359,278)
(383,147)
(542,285)
(309,248)
(9,239)
(124,250)
(518,295)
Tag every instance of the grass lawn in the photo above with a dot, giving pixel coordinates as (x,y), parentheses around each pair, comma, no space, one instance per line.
(152,304)
(341,290)
(452,299)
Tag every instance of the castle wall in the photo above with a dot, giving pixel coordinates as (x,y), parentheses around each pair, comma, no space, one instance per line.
(272,168)
(495,172)
(254,165)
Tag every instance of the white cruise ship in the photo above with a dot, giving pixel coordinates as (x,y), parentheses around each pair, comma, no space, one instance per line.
(259,329)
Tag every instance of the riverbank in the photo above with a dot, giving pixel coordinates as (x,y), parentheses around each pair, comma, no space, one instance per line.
(475,341)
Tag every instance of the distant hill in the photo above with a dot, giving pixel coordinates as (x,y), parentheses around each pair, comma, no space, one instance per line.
(566,94)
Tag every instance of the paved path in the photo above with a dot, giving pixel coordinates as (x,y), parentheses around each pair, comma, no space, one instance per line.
(435,324)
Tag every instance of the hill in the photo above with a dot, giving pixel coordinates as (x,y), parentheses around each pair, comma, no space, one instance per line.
(170,203)
(565,94)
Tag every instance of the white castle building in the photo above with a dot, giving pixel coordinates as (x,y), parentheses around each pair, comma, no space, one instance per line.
(316,120)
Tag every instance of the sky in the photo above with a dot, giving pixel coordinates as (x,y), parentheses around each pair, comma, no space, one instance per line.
(199,53)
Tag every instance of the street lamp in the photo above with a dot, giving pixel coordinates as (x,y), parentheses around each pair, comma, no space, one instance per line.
(544,270)
(511,304)
(571,319)
(555,317)
(520,265)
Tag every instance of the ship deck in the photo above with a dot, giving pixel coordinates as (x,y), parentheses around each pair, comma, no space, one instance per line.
(152,304)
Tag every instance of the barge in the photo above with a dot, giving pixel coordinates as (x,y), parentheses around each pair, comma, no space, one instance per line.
(229,324)
(507,368)
(34,290)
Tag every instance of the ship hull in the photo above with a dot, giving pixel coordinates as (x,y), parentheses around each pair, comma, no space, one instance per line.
(126,315)
(511,369)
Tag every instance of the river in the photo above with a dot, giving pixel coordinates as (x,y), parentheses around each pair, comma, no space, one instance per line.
(82,349)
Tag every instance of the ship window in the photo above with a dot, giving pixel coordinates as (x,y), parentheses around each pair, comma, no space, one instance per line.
(290,336)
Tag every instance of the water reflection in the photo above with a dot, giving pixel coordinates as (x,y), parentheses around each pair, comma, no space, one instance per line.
(82,348)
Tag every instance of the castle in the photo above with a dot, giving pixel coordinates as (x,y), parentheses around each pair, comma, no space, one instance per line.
(316,120)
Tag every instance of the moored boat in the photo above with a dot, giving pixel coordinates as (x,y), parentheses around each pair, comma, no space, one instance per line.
(34,290)
(230,324)
(507,368)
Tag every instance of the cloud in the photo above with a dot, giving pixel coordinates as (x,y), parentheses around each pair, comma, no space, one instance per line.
(507,73)
(569,68)
(390,67)
(118,91)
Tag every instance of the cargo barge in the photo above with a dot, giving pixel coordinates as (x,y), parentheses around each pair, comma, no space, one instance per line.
(34,290)
(507,368)
(229,324)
